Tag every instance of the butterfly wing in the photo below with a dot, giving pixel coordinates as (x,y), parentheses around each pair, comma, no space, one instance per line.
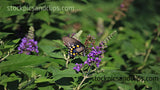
(74,46)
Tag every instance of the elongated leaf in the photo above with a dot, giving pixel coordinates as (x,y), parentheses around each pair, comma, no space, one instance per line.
(4,34)
(16,62)
(58,74)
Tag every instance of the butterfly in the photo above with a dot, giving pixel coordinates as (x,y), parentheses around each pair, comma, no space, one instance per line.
(74,46)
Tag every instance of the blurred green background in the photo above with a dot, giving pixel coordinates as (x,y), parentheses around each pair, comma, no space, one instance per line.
(134,50)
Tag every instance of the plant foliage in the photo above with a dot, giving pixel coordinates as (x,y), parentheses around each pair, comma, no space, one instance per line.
(129,29)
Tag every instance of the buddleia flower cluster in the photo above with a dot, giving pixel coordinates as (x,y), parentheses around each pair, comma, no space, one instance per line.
(78,67)
(28,44)
(95,55)
(93,58)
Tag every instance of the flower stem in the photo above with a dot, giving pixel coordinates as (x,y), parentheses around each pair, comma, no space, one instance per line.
(146,57)
(67,63)
(4,57)
(84,78)
(67,60)
(149,51)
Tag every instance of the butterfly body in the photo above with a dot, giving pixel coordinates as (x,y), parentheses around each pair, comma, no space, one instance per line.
(74,46)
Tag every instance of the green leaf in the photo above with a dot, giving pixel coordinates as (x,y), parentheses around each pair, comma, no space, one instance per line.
(4,79)
(43,15)
(51,51)
(155,68)
(46,88)
(12,43)
(18,61)
(128,48)
(118,61)
(43,79)
(33,71)
(124,86)
(7,11)
(46,42)
(4,34)
(58,74)
(47,29)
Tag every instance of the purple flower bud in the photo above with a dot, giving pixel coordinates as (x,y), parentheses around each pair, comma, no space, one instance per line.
(96,58)
(27,46)
(98,47)
(20,52)
(97,64)
(85,62)
(19,48)
(37,51)
(88,56)
(93,56)
(92,48)
(35,43)
(99,52)
(78,67)
(92,59)
(24,40)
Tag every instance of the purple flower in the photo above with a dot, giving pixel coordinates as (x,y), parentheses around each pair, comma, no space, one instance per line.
(78,67)
(27,46)
(94,56)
